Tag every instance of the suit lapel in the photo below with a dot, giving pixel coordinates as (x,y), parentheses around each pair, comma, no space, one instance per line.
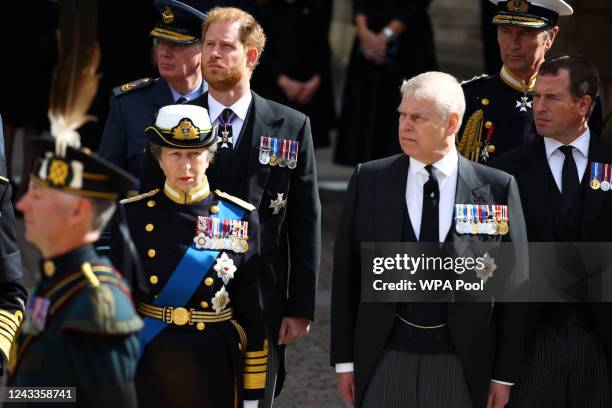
(265,123)
(593,199)
(534,181)
(391,193)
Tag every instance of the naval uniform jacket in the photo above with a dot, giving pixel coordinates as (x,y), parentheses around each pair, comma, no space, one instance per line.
(487,336)
(530,167)
(499,110)
(133,107)
(90,336)
(162,230)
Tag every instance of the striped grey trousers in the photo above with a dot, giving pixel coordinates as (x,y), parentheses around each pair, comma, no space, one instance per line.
(564,368)
(409,380)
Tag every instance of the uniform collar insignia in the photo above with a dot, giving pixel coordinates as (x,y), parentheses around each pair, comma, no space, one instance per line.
(513,81)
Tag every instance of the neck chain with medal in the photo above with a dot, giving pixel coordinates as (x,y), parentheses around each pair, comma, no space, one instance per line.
(225,133)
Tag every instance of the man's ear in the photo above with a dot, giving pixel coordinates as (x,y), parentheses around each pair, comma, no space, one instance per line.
(584,105)
(252,57)
(551,37)
(82,210)
(453,124)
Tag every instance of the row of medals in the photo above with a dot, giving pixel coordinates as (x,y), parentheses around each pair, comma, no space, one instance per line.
(282,160)
(237,244)
(490,227)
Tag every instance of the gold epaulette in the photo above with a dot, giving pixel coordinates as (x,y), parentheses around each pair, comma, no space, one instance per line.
(235,200)
(139,197)
(255,367)
(477,77)
(470,144)
(132,86)
(9,324)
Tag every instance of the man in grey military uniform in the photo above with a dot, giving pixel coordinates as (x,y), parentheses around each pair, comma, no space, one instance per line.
(133,106)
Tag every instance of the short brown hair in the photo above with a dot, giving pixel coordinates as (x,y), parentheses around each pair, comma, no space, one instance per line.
(251,32)
(584,79)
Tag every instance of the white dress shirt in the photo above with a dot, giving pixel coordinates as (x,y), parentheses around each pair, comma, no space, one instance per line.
(240,109)
(556,158)
(200,88)
(445,171)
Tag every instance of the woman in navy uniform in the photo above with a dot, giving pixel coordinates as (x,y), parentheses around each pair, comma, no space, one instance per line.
(204,339)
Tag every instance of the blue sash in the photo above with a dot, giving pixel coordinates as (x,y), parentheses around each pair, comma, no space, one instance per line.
(183,282)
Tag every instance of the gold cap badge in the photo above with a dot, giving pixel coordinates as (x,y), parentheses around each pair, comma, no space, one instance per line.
(518,6)
(168,16)
(185,130)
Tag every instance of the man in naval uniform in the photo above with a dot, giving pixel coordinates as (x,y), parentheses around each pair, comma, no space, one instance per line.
(499,112)
(133,106)
(12,293)
(394,355)
(564,179)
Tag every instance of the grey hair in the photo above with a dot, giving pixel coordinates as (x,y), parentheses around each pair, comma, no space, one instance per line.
(103,211)
(442,88)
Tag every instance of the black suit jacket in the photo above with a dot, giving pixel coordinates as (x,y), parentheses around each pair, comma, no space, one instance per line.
(530,167)
(487,336)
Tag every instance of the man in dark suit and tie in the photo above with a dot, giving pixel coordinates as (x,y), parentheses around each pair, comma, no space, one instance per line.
(564,182)
(265,156)
(423,354)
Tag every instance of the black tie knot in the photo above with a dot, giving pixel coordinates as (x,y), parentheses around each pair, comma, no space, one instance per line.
(225,115)
(181,100)
(567,150)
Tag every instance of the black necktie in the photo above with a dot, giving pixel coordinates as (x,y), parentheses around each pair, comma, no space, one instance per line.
(181,100)
(570,185)
(431,201)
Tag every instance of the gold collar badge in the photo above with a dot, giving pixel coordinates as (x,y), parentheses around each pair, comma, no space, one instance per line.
(185,130)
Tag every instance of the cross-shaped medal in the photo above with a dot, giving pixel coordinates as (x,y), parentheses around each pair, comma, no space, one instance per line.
(277,204)
(224,139)
(523,104)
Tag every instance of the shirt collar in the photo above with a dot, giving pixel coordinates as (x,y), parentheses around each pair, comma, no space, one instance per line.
(446,165)
(513,81)
(581,143)
(240,107)
(191,95)
(195,195)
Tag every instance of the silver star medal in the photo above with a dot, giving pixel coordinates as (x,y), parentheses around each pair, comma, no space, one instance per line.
(277,204)
(523,104)
(224,138)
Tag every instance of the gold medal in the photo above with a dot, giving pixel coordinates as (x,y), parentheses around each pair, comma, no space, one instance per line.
(502,228)
(273,161)
(595,184)
(474,228)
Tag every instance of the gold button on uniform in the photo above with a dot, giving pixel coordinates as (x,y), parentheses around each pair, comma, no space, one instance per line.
(49,268)
(200,326)
(151,203)
(485,101)
(214,209)
(151,253)
(153,279)
(204,304)
(149,227)
(488,124)
(208,281)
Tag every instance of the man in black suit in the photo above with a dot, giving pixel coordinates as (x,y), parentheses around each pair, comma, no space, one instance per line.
(423,354)
(563,202)
(266,157)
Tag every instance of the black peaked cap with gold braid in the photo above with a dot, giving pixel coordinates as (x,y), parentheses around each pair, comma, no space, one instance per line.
(178,22)
(524,13)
